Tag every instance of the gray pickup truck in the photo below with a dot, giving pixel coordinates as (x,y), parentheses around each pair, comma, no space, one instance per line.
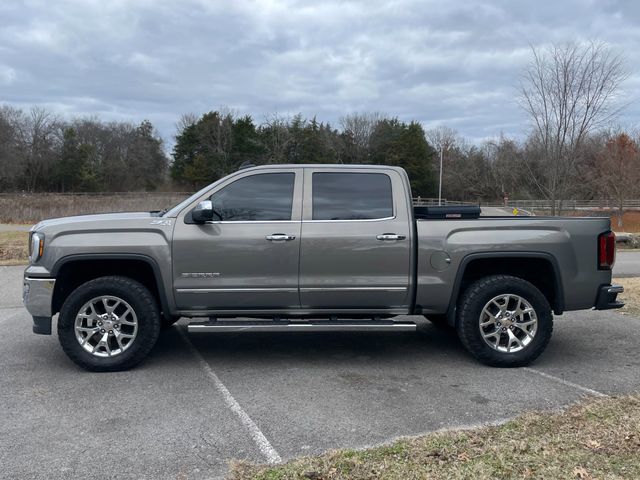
(309,248)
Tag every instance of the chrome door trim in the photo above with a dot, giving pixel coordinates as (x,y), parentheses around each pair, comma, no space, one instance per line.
(351,220)
(232,290)
(291,290)
(353,289)
(252,222)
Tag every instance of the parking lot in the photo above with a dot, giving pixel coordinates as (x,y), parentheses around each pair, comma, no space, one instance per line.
(202,400)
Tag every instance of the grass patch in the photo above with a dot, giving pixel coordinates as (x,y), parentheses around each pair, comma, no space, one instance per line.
(599,438)
(33,207)
(14,248)
(631,295)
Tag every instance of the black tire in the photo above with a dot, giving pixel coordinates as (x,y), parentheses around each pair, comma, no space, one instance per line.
(470,307)
(141,301)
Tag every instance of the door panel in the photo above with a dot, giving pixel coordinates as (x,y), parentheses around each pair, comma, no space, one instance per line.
(243,264)
(241,268)
(350,263)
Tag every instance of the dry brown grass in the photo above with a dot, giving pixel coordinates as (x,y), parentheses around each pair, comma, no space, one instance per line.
(31,208)
(631,295)
(596,439)
(14,248)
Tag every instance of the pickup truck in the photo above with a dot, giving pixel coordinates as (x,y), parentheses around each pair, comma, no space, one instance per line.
(311,248)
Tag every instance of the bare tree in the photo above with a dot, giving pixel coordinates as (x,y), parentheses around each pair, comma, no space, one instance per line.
(503,176)
(618,170)
(442,139)
(38,133)
(568,91)
(277,137)
(215,131)
(360,127)
(10,165)
(186,120)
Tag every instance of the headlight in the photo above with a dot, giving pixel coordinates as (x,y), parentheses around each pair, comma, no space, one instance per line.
(36,246)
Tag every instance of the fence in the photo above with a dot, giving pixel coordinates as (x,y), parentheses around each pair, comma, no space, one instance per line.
(428,201)
(565,205)
(568,205)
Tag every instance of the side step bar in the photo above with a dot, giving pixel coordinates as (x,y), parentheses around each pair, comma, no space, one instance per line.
(326,326)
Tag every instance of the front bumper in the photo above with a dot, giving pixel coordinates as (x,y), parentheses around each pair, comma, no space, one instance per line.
(608,297)
(37,294)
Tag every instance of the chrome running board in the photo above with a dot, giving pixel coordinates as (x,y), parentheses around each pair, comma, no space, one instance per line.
(318,326)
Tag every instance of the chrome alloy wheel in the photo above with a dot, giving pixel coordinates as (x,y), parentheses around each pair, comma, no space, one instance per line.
(508,323)
(106,326)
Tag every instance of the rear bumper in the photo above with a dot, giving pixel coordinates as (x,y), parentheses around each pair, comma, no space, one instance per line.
(37,294)
(608,297)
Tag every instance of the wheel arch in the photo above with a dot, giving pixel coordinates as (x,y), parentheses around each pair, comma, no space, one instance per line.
(534,267)
(74,270)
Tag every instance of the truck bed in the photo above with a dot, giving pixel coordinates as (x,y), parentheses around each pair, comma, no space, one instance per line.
(568,245)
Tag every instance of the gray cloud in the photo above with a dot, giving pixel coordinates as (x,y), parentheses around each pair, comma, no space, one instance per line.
(439,62)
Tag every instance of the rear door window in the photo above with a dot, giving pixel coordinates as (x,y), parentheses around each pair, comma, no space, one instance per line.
(351,196)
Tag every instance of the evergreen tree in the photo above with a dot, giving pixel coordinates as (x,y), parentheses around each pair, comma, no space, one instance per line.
(71,161)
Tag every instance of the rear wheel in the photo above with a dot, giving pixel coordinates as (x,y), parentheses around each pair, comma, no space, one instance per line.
(504,321)
(109,324)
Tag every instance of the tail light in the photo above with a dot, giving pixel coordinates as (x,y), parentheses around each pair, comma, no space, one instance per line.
(606,250)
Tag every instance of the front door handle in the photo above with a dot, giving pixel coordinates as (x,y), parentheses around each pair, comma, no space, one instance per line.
(280,237)
(390,236)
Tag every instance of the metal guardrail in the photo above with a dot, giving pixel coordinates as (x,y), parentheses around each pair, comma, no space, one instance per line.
(600,204)
(428,201)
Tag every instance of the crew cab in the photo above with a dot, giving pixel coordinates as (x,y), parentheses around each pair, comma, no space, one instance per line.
(313,248)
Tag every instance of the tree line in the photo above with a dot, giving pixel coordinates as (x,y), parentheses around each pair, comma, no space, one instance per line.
(41,152)
(571,150)
(217,143)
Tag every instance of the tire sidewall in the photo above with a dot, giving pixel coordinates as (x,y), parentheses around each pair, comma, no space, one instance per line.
(148,322)
(469,321)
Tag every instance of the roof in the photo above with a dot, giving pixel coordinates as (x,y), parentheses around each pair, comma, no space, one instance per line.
(340,166)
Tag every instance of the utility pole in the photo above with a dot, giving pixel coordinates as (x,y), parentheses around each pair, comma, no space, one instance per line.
(440,186)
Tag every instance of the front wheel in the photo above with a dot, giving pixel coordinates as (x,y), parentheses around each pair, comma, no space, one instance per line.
(504,321)
(109,324)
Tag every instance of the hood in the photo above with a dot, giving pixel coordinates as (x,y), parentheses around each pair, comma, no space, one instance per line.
(91,220)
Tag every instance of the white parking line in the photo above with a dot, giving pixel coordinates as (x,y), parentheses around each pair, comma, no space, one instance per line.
(590,391)
(256,434)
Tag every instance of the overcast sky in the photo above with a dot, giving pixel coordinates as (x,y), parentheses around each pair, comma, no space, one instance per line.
(438,62)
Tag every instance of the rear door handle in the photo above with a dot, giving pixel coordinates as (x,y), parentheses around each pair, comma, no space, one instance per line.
(390,236)
(280,237)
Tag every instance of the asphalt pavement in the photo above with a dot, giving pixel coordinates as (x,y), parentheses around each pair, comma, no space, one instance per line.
(627,263)
(201,400)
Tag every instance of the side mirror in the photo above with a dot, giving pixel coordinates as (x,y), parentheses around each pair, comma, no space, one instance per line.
(203,212)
